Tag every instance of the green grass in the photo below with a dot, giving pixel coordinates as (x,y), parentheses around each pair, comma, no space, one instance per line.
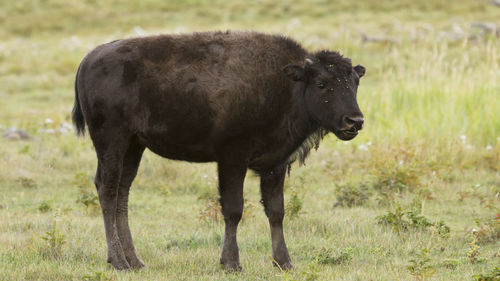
(431,105)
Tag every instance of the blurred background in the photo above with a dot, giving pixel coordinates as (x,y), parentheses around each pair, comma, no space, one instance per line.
(430,147)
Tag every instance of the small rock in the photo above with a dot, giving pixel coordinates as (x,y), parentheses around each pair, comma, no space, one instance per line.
(15,134)
(485,27)
(495,2)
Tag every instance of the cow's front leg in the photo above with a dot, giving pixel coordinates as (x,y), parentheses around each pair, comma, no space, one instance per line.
(231,178)
(271,188)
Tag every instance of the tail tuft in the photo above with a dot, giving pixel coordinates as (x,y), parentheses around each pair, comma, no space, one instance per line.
(77,114)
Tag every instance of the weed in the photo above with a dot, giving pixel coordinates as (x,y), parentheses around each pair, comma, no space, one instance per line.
(311,273)
(417,220)
(44,207)
(401,220)
(473,252)
(380,252)
(294,205)
(25,149)
(329,256)
(487,230)
(395,219)
(352,195)
(211,210)
(494,275)
(86,193)
(442,229)
(53,243)
(395,171)
(27,182)
(98,276)
(420,266)
(165,191)
(450,263)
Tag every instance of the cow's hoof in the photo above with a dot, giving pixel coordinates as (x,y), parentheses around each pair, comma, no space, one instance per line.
(231,266)
(136,263)
(119,264)
(286,266)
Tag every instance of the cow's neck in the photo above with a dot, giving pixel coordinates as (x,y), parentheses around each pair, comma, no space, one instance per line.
(304,132)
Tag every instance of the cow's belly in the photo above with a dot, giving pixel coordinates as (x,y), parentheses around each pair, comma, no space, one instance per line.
(175,151)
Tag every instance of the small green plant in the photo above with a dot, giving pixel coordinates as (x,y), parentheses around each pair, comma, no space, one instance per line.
(165,191)
(329,256)
(473,252)
(294,205)
(98,276)
(395,171)
(494,275)
(352,195)
(450,263)
(311,273)
(380,252)
(211,210)
(420,267)
(53,242)
(44,207)
(27,182)
(487,230)
(25,149)
(442,229)
(402,220)
(86,193)
(396,219)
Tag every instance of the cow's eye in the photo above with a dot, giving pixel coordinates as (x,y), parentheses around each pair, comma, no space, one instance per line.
(320,85)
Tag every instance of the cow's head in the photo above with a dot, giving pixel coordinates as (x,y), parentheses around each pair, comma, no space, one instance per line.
(331,85)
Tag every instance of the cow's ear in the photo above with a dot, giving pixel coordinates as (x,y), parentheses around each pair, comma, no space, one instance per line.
(360,70)
(294,72)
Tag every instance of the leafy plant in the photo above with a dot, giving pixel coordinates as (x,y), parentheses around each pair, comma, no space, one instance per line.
(211,209)
(450,263)
(54,240)
(473,252)
(329,256)
(487,230)
(420,266)
(494,275)
(294,205)
(27,182)
(98,276)
(311,273)
(401,220)
(86,193)
(44,207)
(395,171)
(394,219)
(352,195)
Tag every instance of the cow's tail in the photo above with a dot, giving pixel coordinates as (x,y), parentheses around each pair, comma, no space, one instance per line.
(77,114)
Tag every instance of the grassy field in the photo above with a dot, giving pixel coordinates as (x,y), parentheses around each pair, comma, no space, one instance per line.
(415,197)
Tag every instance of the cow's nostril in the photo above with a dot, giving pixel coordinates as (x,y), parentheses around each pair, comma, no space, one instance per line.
(354,121)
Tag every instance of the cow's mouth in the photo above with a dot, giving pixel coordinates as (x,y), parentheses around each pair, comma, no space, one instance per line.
(346,135)
(351,132)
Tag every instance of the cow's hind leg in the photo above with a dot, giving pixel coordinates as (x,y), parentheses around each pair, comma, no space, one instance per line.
(110,148)
(271,187)
(130,165)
